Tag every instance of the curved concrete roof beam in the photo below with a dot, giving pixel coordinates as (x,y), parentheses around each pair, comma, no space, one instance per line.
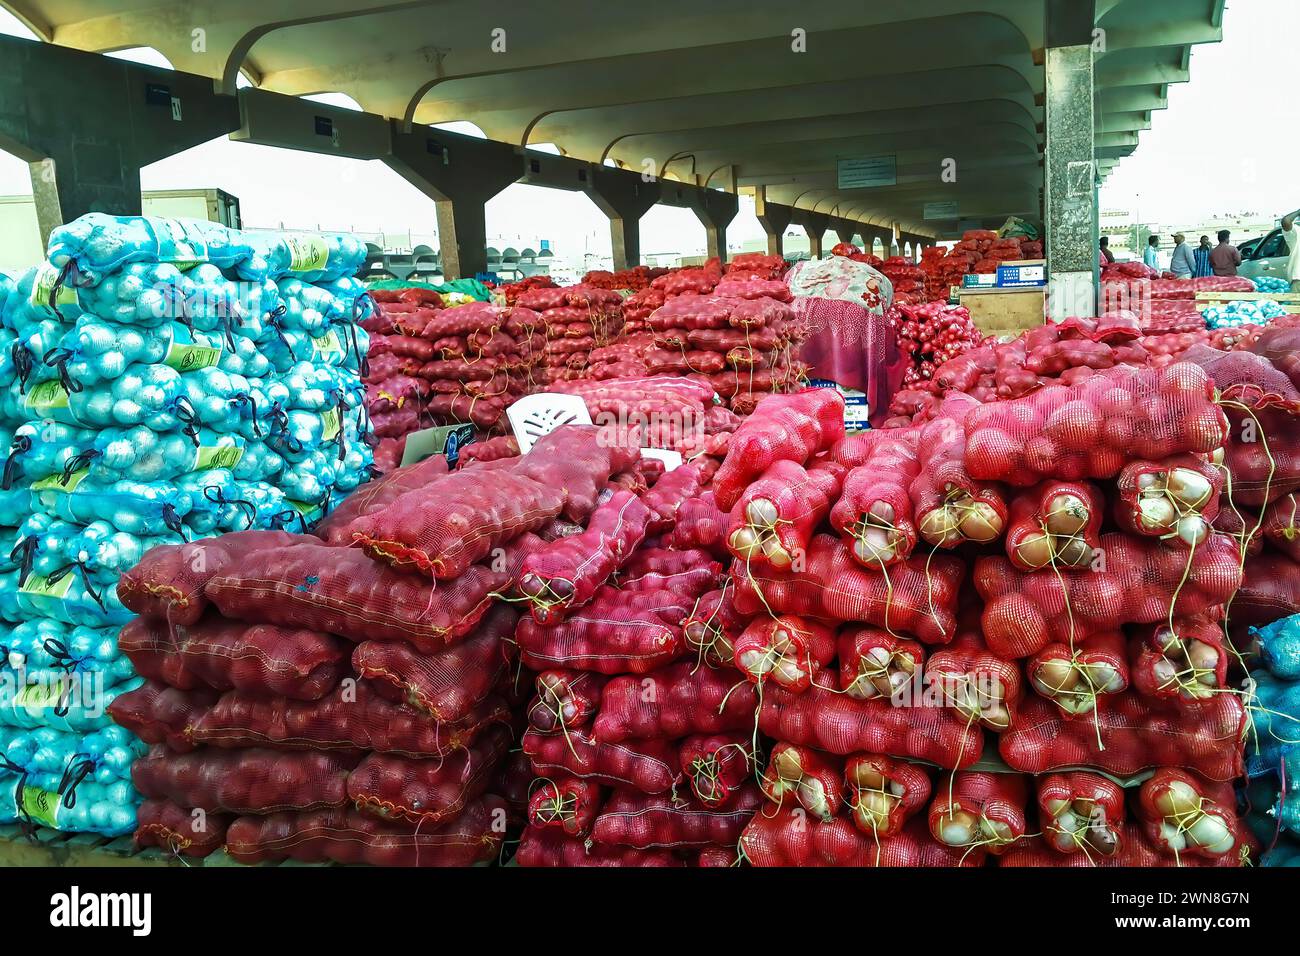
(950,117)
(601,131)
(28,17)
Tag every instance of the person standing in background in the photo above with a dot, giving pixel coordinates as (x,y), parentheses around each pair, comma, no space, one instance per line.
(1182,263)
(1152,256)
(1202,256)
(1225,258)
(1105,251)
(1292,236)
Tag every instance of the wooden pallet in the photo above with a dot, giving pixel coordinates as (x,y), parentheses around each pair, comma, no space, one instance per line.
(1288,300)
(54,848)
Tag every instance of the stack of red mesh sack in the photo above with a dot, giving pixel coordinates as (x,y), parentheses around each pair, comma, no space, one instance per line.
(930,335)
(433,366)
(1163,304)
(351,695)
(909,591)
(305,702)
(832,642)
(942,271)
(634,279)
(742,339)
(907,279)
(642,757)
(661,411)
(573,320)
(513,290)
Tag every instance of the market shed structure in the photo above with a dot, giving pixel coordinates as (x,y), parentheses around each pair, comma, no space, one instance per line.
(874,119)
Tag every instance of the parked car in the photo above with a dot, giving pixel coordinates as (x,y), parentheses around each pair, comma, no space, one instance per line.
(1265,256)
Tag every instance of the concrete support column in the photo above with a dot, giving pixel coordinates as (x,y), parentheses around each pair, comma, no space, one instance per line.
(845,230)
(715,209)
(774,218)
(460,174)
(624,197)
(86,125)
(814,226)
(1070,175)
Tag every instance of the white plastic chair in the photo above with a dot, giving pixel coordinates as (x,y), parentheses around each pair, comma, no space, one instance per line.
(533,416)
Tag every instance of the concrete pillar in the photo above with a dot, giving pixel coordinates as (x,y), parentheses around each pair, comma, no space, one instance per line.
(715,209)
(460,174)
(624,197)
(814,226)
(844,229)
(774,218)
(1070,175)
(86,124)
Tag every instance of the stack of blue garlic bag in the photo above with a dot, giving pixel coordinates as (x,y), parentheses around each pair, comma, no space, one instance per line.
(160,381)
(1273,752)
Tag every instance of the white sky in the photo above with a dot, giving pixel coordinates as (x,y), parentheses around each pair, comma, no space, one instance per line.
(1226,144)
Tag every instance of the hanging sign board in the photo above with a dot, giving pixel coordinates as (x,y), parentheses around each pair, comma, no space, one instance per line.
(867,171)
(940,210)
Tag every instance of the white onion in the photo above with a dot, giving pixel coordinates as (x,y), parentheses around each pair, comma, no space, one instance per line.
(755,662)
(981,523)
(1067,515)
(1035,551)
(954,833)
(1056,674)
(744,542)
(1211,833)
(1149,480)
(1156,514)
(882,510)
(761,512)
(939,526)
(869,552)
(1177,798)
(1190,487)
(1193,529)
(1172,837)
(1075,553)
(776,554)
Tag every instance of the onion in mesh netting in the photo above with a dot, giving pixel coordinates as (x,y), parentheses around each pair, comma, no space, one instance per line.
(1184,815)
(1055,524)
(1074,678)
(1186,662)
(974,809)
(883,793)
(1081,812)
(1176,499)
(800,776)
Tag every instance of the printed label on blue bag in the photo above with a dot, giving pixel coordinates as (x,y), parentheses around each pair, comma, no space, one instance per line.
(328,344)
(46,396)
(189,246)
(307,253)
(217,456)
(42,806)
(43,285)
(39,585)
(186,355)
(332,425)
(56,482)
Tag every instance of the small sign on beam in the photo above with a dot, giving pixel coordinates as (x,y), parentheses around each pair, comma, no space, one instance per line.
(866,171)
(940,210)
